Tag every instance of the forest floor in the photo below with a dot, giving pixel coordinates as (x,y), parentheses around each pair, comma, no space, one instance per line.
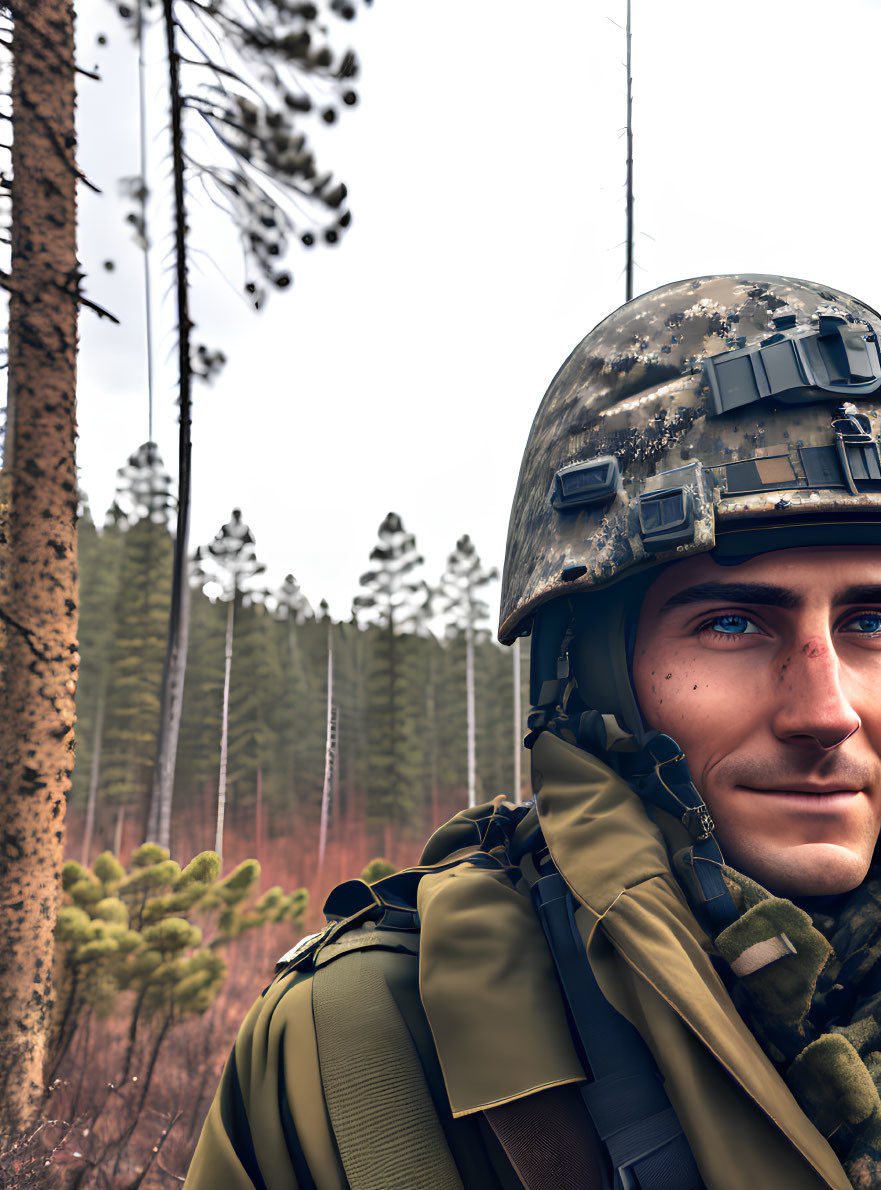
(105,1131)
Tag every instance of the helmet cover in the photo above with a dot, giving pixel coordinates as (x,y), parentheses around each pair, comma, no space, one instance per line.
(728,413)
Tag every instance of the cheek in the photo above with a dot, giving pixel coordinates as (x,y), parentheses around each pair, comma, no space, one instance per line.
(671,688)
(681,696)
(863,696)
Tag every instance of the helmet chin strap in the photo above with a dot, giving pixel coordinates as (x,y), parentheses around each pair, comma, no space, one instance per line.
(658,772)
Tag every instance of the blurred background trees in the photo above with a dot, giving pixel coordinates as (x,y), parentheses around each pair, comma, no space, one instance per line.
(401,695)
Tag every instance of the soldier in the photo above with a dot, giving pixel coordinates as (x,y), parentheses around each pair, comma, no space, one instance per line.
(665,972)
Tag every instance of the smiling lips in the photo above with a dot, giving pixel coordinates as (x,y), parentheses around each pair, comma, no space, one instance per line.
(808,798)
(810,790)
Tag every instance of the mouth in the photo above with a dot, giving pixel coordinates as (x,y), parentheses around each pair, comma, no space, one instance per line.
(807,798)
(809,790)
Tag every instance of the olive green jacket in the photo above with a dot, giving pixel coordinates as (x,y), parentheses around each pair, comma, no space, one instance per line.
(378,1055)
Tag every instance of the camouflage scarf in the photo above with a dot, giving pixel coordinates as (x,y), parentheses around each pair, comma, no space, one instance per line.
(808,984)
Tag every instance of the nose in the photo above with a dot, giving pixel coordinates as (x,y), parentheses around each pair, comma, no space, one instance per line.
(813,705)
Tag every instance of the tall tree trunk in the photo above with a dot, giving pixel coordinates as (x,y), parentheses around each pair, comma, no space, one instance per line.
(258,825)
(469,706)
(94,776)
(431,728)
(224,730)
(174,669)
(39,597)
(328,753)
(118,832)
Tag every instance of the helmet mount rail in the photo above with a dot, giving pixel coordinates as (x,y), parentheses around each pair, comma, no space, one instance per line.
(840,359)
(675,504)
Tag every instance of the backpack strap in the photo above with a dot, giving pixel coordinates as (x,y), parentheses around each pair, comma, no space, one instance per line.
(626,1099)
(385,1124)
(550,1141)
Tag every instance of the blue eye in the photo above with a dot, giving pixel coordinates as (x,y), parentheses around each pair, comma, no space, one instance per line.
(733,625)
(866,624)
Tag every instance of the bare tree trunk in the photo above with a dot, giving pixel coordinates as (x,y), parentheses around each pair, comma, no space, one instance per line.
(117,834)
(224,730)
(328,754)
(174,669)
(518,726)
(258,825)
(39,597)
(93,780)
(469,703)
(431,727)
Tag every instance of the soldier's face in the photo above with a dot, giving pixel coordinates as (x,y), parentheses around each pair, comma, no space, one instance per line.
(768,675)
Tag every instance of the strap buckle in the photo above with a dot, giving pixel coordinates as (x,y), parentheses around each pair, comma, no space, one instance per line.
(698,822)
(858,449)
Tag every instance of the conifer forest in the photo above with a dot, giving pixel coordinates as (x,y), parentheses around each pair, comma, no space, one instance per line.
(394,758)
(194,752)
(310,752)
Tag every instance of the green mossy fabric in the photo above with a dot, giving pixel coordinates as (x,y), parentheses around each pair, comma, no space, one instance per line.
(817,1012)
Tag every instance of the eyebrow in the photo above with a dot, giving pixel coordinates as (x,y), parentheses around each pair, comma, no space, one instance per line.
(766,594)
(861,593)
(763,593)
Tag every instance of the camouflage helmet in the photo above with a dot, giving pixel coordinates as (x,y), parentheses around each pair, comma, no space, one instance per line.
(728,413)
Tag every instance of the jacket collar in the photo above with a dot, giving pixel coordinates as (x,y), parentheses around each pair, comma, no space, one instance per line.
(614,858)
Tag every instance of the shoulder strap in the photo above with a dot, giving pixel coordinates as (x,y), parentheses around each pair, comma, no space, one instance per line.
(384,1121)
(549,1140)
(626,1099)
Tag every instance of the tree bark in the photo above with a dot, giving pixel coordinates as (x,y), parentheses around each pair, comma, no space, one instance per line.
(174,670)
(328,754)
(94,777)
(224,730)
(39,596)
(469,708)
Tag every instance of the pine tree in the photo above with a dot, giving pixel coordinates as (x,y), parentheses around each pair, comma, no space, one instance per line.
(250,93)
(255,690)
(291,712)
(493,696)
(195,787)
(394,710)
(296,717)
(140,613)
(463,580)
(99,558)
(135,672)
(352,727)
(235,563)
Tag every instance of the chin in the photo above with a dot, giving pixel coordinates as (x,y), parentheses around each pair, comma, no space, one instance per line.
(807,870)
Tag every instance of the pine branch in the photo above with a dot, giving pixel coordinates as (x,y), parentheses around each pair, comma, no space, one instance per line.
(99,310)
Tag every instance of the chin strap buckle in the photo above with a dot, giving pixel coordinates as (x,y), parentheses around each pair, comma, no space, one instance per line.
(698,822)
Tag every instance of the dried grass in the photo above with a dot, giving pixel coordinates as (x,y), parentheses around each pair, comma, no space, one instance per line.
(118,1138)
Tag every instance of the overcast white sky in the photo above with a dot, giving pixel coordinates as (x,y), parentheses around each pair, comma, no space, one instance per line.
(485,169)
